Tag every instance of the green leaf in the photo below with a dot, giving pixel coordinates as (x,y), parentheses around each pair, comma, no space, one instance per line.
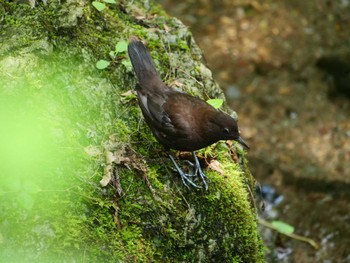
(283,227)
(121,46)
(98,5)
(102,64)
(216,103)
(127,64)
(112,53)
(110,1)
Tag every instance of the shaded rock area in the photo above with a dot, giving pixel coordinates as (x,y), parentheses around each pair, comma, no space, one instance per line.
(338,68)
(284,67)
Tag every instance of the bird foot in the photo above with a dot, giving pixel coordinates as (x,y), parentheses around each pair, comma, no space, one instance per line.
(199,171)
(185,176)
(190,163)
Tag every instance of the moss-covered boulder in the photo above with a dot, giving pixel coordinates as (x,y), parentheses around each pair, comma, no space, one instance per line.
(82,178)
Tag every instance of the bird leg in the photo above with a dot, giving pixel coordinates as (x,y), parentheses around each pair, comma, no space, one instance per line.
(199,170)
(190,163)
(184,176)
(193,168)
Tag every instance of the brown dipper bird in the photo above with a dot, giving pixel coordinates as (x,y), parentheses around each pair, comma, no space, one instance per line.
(178,121)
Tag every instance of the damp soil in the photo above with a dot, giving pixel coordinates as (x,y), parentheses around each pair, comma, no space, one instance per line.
(264,55)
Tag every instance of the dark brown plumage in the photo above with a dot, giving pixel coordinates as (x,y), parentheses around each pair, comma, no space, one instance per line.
(178,121)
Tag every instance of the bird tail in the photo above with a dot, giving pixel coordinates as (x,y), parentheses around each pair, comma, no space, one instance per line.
(142,63)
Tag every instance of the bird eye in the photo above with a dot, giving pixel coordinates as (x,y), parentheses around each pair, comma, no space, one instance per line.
(226,130)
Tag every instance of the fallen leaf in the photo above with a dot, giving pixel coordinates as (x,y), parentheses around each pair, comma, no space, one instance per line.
(166,28)
(107,176)
(176,83)
(215,166)
(111,158)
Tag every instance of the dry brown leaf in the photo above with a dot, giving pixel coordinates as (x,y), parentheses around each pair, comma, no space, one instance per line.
(111,158)
(176,83)
(107,176)
(166,28)
(215,166)
(116,157)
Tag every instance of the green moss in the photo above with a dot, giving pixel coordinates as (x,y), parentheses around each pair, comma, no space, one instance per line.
(122,130)
(146,215)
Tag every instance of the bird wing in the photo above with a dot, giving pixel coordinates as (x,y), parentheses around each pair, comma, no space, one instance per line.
(152,105)
(156,109)
(180,110)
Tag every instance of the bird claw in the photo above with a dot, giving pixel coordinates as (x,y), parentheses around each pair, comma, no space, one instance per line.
(189,163)
(185,177)
(175,170)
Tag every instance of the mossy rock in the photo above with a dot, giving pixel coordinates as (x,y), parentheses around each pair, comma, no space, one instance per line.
(67,125)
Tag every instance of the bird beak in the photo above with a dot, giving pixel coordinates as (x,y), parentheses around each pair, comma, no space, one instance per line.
(242,142)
